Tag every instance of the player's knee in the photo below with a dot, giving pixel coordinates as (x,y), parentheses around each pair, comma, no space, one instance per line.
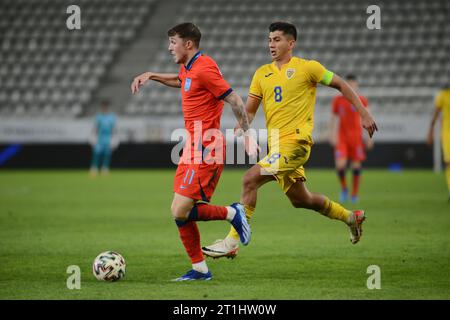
(356,166)
(178,212)
(340,165)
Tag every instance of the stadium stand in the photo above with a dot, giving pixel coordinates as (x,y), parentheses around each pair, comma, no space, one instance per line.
(399,67)
(47,70)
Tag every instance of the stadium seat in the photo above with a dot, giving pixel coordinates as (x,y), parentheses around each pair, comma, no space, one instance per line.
(46,61)
(410,51)
(396,57)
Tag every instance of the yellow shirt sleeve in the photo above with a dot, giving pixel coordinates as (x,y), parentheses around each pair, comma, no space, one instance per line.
(315,71)
(439,101)
(255,87)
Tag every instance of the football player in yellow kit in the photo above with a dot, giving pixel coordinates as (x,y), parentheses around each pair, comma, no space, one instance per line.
(442,104)
(287,88)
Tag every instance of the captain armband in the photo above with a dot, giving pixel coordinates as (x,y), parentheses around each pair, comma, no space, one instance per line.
(327,77)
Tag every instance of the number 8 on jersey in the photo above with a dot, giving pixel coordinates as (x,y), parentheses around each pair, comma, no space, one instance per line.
(278,97)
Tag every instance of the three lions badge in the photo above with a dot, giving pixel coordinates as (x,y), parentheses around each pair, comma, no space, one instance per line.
(187,84)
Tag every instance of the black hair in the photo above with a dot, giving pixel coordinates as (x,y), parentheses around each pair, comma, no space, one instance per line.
(286,27)
(350,77)
(186,31)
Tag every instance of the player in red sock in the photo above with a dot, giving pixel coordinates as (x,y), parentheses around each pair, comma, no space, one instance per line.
(203,91)
(343,182)
(347,140)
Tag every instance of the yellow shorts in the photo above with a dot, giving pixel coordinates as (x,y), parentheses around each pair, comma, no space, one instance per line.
(285,162)
(445,142)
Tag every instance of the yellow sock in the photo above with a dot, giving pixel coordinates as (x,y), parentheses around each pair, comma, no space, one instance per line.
(447,174)
(334,210)
(248,213)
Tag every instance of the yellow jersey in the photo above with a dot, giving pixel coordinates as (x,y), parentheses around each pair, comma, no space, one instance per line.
(443,102)
(288,96)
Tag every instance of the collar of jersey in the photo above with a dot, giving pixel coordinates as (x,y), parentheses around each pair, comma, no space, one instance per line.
(191,62)
(283,66)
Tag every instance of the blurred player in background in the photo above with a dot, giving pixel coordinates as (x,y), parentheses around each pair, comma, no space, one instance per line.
(203,90)
(442,105)
(346,136)
(104,139)
(287,88)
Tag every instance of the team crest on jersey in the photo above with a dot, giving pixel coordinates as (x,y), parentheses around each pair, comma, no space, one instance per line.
(187,84)
(290,73)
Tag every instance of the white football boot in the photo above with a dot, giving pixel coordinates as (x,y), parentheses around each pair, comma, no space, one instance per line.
(221,249)
(355,226)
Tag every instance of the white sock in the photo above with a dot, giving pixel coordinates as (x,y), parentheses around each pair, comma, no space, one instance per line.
(200,267)
(231,213)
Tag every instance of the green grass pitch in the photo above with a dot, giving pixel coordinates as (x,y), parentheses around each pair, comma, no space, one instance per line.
(52,219)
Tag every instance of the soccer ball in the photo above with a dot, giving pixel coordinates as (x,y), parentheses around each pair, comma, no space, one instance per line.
(109,266)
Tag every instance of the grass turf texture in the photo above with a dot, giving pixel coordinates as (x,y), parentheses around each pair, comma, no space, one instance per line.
(52,219)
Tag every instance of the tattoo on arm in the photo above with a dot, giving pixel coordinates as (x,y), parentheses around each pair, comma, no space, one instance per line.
(238,107)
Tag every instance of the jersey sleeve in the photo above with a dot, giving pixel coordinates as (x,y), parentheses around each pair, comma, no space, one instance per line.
(255,86)
(438,102)
(334,105)
(214,82)
(315,71)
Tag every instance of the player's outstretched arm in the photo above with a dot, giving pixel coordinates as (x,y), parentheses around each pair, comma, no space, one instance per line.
(168,79)
(367,120)
(430,137)
(238,107)
(251,107)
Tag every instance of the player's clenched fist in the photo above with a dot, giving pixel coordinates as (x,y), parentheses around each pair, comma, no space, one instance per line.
(139,81)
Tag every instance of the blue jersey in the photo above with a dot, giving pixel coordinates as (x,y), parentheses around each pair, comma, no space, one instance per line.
(105,123)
